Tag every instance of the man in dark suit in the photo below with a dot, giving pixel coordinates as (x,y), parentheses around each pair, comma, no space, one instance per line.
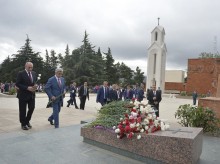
(72,96)
(103,94)
(140,94)
(83,94)
(55,89)
(113,93)
(154,98)
(128,93)
(26,84)
(119,93)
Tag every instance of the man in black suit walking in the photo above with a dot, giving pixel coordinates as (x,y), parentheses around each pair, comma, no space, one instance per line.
(83,94)
(26,83)
(154,97)
(72,99)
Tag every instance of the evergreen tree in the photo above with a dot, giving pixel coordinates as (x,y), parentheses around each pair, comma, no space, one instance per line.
(126,73)
(53,59)
(18,61)
(110,68)
(67,51)
(138,76)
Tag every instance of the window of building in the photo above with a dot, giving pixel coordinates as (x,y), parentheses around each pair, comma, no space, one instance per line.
(156,36)
(155,59)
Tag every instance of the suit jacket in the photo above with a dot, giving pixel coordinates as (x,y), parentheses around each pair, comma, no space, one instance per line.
(81,92)
(151,95)
(100,95)
(140,95)
(72,91)
(128,94)
(119,95)
(113,95)
(52,88)
(22,82)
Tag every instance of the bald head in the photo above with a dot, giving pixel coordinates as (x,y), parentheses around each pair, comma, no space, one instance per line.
(29,66)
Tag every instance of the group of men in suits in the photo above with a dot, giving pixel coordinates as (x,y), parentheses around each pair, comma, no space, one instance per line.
(54,88)
(106,95)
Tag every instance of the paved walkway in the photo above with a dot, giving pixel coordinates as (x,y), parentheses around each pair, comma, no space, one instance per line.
(44,144)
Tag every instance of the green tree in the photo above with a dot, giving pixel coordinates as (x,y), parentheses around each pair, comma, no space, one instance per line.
(126,73)
(18,61)
(138,76)
(209,55)
(110,68)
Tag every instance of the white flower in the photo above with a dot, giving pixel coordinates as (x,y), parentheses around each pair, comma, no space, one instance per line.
(117,130)
(149,116)
(146,127)
(114,127)
(121,119)
(137,125)
(134,114)
(39,75)
(38,78)
(139,137)
(118,136)
(132,125)
(146,121)
(136,103)
(162,125)
(142,130)
(131,102)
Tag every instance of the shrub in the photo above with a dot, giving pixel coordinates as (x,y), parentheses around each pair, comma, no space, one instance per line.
(183,93)
(198,117)
(12,91)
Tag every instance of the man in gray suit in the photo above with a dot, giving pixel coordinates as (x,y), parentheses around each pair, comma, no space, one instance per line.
(55,89)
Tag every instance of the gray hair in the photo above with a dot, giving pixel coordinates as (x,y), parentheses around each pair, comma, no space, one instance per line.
(58,70)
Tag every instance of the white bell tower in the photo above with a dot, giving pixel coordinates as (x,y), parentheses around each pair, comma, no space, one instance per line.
(156,63)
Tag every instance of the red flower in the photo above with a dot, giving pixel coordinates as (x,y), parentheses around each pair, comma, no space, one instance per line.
(127,129)
(133,110)
(130,135)
(139,119)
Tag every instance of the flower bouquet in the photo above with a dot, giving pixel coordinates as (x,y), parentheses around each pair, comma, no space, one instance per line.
(140,119)
(49,104)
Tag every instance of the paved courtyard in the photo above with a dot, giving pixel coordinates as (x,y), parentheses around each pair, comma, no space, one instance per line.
(44,144)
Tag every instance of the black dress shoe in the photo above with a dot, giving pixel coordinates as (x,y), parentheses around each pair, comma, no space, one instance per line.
(24,127)
(29,125)
(51,122)
(76,107)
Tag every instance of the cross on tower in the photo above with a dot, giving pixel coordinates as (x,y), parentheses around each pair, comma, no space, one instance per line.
(158,21)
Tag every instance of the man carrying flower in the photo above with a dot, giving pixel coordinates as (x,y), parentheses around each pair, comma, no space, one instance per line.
(55,89)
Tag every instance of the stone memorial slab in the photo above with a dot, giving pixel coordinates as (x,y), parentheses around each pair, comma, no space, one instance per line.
(183,145)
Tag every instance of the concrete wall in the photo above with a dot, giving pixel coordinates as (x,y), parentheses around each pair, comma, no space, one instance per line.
(174,76)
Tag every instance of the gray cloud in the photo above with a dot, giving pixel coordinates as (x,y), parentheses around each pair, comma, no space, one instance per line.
(125,26)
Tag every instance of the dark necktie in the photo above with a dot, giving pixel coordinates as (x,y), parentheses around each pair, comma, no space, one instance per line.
(29,74)
(104,93)
(59,82)
(85,91)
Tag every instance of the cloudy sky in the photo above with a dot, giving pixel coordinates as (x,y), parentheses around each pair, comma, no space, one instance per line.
(191,26)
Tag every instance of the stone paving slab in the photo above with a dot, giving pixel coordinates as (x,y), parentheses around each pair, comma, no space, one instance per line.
(44,144)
